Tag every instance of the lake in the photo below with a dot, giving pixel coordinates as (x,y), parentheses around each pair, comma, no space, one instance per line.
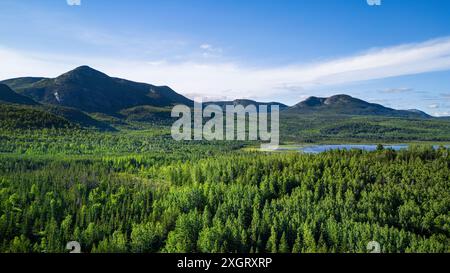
(315,149)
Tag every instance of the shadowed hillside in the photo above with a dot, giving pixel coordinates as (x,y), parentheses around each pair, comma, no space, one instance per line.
(90,90)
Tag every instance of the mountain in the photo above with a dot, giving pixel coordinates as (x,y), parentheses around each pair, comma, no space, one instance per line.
(347,105)
(9,96)
(90,90)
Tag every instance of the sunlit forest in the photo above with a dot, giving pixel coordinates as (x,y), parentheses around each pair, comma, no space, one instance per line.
(186,128)
(140,191)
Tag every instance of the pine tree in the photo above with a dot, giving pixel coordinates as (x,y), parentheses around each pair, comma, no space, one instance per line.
(272,242)
(297,248)
(284,247)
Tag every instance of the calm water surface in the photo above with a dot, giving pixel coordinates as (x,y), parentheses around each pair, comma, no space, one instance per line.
(315,149)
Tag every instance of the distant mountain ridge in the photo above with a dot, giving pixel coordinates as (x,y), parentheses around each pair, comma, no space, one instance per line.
(89,98)
(347,105)
(92,91)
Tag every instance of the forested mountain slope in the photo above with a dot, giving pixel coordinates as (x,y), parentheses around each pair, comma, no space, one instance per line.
(90,90)
(9,96)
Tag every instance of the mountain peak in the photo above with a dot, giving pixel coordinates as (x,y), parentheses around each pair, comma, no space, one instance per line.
(343,99)
(84,68)
(312,101)
(84,71)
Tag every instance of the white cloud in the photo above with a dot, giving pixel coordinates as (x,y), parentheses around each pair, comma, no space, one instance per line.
(397,90)
(206,46)
(441,114)
(433,106)
(20,64)
(211,78)
(210,48)
(210,51)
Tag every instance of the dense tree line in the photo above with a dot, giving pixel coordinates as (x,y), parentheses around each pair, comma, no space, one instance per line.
(52,142)
(344,128)
(235,202)
(21,117)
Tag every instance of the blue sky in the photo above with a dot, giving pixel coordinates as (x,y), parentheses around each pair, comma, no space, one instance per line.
(396,54)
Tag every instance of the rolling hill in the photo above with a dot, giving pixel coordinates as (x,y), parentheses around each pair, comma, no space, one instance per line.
(76,116)
(9,96)
(27,117)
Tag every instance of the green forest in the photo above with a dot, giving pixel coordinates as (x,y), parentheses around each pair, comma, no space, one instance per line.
(191,128)
(141,191)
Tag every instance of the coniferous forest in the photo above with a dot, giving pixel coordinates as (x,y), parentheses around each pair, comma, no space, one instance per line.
(140,191)
(182,129)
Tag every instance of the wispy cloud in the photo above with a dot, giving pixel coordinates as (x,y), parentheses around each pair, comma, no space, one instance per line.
(210,50)
(433,106)
(441,114)
(206,46)
(211,77)
(398,90)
